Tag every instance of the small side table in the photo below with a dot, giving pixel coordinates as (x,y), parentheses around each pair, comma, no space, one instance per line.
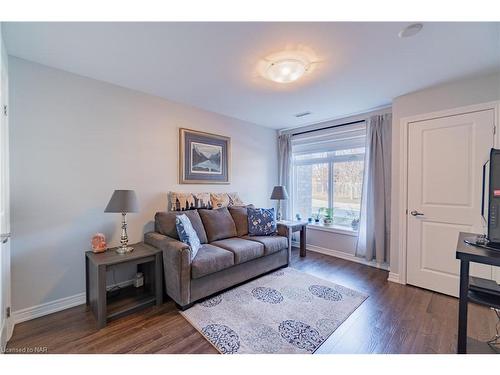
(147,259)
(297,226)
(468,253)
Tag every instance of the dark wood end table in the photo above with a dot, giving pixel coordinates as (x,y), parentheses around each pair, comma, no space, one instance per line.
(297,226)
(469,253)
(105,306)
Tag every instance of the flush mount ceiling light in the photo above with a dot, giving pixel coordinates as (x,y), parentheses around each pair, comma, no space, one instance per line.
(286,66)
(286,70)
(410,30)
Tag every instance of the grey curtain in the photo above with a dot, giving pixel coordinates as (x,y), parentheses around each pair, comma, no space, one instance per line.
(374,230)
(284,170)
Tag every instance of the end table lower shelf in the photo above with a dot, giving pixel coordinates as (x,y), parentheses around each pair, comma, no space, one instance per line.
(128,300)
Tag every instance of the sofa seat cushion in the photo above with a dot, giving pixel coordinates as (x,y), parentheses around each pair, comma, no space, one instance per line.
(165,224)
(243,250)
(219,224)
(272,244)
(210,259)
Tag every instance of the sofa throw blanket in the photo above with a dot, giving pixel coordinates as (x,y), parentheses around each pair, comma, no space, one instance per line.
(187,234)
(261,221)
(180,201)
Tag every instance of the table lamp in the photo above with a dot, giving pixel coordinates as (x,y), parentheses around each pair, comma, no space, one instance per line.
(279,193)
(123,201)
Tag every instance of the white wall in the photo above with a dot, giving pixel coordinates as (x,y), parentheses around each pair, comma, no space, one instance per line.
(468,91)
(338,242)
(73,141)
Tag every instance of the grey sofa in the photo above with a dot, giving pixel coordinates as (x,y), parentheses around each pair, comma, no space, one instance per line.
(228,255)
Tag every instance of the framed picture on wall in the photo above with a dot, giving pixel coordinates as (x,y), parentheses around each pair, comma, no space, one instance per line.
(203,157)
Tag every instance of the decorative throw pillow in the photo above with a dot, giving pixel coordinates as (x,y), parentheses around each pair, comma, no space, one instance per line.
(219,200)
(187,234)
(202,200)
(181,201)
(261,221)
(235,200)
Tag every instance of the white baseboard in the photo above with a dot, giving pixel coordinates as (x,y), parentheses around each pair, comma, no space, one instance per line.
(10,328)
(395,278)
(343,255)
(47,308)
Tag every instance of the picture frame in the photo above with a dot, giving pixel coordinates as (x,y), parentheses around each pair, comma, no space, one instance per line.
(204,158)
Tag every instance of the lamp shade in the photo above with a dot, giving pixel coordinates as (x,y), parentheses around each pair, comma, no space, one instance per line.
(279,192)
(122,201)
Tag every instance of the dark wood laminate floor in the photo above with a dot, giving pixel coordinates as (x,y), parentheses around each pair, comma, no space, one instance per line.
(394,319)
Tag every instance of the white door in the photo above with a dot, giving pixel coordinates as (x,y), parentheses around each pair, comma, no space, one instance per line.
(445,159)
(4,205)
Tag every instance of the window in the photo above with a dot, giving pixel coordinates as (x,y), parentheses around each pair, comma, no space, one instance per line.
(328,174)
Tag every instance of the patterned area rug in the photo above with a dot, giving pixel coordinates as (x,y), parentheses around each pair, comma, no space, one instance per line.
(286,311)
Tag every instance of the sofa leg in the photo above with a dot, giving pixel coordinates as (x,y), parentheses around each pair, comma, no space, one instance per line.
(185,307)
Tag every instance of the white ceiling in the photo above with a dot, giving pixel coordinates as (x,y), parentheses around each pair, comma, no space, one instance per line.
(212,65)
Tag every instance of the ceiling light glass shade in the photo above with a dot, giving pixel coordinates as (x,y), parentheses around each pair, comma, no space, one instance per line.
(286,70)
(288,65)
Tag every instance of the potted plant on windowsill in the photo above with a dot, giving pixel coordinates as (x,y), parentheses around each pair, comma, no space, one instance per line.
(328,218)
(354,220)
(355,224)
(318,216)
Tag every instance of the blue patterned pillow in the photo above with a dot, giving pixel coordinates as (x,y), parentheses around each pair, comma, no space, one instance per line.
(261,221)
(187,234)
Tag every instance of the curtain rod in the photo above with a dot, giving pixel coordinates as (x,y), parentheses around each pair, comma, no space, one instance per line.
(328,127)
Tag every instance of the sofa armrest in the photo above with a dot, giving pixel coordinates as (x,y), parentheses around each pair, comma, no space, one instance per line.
(176,265)
(283,230)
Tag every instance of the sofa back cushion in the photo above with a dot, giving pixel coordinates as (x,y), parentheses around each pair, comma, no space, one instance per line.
(165,224)
(240,218)
(219,224)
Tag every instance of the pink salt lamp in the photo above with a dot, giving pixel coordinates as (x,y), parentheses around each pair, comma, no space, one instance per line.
(99,243)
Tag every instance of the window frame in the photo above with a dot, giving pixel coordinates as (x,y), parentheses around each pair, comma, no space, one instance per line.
(330,160)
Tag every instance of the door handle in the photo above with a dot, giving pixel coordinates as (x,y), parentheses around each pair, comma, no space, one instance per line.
(4,237)
(416,213)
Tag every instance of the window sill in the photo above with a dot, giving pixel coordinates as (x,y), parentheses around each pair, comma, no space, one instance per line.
(333,229)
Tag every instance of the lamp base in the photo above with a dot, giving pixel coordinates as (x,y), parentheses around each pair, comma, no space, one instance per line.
(278,210)
(124,250)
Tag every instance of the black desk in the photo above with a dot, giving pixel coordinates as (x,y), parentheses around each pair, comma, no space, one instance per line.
(468,253)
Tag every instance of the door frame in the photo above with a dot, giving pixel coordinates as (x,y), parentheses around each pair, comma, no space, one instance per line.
(8,324)
(402,216)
